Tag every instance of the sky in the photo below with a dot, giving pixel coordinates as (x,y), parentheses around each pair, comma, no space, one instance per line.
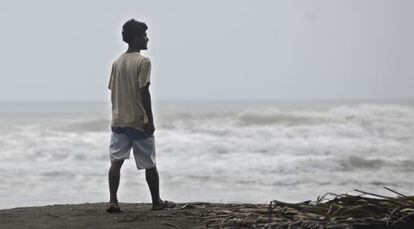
(211,50)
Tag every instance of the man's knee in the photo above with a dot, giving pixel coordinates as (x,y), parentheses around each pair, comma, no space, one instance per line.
(117,164)
(151,169)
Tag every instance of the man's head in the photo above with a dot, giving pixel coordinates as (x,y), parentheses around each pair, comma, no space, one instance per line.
(134,33)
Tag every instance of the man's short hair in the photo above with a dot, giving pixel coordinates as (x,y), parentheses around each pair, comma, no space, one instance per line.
(132,29)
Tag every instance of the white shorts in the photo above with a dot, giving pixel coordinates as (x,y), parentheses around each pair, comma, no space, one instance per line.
(144,150)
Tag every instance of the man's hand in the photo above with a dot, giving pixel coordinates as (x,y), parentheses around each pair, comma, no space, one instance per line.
(149,128)
(146,103)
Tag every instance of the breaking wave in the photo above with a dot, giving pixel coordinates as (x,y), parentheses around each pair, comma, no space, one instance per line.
(311,149)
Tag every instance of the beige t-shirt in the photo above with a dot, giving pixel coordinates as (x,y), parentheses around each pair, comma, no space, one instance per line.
(130,72)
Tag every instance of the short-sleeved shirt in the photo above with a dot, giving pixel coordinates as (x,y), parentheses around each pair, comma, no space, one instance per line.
(130,72)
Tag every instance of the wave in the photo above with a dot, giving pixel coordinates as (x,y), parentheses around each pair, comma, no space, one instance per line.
(379,119)
(276,116)
(91,125)
(289,151)
(364,113)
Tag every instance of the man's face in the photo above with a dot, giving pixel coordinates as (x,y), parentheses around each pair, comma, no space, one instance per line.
(144,41)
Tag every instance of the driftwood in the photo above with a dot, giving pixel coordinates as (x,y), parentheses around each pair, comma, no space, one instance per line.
(343,211)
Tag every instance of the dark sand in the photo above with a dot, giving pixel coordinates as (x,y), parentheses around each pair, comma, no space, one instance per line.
(192,215)
(95,216)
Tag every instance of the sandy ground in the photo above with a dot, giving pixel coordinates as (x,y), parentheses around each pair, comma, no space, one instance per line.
(184,215)
(95,216)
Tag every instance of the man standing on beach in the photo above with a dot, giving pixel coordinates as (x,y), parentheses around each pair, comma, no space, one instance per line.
(132,121)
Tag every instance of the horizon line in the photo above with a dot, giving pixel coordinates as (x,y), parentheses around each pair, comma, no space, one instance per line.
(224,100)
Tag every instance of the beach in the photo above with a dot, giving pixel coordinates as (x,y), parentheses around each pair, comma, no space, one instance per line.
(94,216)
(54,154)
(341,212)
(257,114)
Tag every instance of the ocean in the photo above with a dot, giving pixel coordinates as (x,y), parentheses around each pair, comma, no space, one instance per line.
(250,152)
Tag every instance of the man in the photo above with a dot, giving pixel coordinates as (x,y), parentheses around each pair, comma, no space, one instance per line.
(132,121)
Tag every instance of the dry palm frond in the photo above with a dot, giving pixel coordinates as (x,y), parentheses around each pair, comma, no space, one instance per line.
(367,210)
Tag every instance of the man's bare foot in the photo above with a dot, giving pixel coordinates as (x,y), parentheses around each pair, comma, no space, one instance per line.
(161,205)
(113,208)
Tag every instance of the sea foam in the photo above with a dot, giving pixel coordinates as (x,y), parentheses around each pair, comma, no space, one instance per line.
(211,152)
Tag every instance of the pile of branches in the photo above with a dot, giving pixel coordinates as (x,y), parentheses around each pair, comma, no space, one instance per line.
(344,211)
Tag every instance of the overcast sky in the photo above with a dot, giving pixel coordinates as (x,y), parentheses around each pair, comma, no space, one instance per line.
(211,50)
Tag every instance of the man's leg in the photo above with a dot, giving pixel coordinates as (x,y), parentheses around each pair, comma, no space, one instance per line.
(144,154)
(114,177)
(152,178)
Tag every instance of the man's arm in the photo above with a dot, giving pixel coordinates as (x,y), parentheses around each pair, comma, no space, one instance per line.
(146,103)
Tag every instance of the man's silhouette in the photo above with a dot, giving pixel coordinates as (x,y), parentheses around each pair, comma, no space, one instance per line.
(132,121)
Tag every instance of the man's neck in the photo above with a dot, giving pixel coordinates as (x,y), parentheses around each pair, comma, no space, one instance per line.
(133,49)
